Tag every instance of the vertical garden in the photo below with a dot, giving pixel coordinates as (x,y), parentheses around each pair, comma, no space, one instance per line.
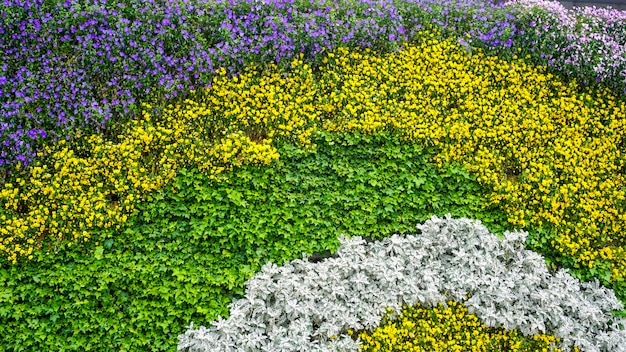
(302,175)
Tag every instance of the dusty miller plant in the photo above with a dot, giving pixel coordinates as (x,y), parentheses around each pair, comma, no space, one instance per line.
(304,306)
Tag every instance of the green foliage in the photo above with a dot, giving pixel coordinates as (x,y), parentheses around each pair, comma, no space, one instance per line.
(188,252)
(125,293)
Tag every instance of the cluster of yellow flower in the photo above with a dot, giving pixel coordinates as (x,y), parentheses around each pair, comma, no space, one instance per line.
(96,184)
(447,327)
(549,151)
(265,106)
(79,190)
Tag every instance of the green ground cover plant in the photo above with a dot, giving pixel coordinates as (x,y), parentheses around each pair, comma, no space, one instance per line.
(189,250)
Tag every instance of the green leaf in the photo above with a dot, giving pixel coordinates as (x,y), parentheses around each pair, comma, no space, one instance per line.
(98,252)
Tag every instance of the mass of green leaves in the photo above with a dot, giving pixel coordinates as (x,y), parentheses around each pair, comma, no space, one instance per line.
(188,251)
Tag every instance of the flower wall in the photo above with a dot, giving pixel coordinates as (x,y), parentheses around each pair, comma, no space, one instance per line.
(154,156)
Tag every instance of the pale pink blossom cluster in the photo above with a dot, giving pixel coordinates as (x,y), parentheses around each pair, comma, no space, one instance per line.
(586,43)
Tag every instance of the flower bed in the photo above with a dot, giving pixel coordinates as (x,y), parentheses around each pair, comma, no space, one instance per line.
(550,153)
(135,172)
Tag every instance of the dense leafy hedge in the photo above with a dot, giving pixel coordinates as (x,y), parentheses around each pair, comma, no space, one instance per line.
(187,253)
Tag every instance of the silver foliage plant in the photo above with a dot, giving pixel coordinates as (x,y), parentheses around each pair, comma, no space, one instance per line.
(304,306)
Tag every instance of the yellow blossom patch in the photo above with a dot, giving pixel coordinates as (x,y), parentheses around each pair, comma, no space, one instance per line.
(96,184)
(447,327)
(551,152)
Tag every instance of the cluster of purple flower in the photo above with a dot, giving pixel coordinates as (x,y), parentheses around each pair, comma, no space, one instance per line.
(488,25)
(71,65)
(76,65)
(586,43)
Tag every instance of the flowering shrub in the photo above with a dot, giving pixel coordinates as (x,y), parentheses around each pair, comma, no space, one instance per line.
(311,306)
(447,327)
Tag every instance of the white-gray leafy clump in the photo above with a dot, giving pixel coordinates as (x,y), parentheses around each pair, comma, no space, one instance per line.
(305,306)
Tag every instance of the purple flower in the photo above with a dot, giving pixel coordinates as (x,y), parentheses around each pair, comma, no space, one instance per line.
(70,62)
